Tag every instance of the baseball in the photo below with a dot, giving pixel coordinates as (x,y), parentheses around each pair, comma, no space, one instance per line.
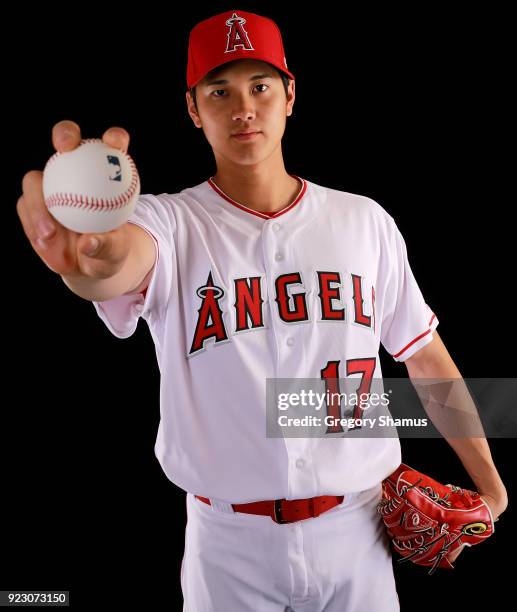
(93,188)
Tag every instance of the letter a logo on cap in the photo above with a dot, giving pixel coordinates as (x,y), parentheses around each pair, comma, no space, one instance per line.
(237,35)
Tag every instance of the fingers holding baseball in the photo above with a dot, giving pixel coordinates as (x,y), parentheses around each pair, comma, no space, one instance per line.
(37,222)
(102,255)
(66,136)
(48,237)
(64,251)
(75,240)
(116,137)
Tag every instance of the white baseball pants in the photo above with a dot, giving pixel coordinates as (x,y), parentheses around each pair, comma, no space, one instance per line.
(338,561)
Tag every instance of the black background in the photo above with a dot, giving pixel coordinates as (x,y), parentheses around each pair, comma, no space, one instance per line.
(410,108)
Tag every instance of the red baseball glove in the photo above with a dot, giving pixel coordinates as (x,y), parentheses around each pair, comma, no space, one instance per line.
(426,521)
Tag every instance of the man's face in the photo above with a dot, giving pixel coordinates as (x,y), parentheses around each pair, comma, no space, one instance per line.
(244,95)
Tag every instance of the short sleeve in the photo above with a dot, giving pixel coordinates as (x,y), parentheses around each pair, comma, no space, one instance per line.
(407,320)
(121,314)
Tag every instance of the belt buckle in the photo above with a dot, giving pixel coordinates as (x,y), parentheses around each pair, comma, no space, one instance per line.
(277,511)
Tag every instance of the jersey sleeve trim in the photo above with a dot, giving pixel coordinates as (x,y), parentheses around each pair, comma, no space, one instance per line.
(421,339)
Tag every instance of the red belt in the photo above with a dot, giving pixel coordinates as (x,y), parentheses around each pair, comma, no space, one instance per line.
(287,510)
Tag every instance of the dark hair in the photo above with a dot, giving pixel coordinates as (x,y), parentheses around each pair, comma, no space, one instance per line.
(284,77)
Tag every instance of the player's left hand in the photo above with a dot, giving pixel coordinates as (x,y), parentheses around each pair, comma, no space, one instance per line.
(497,504)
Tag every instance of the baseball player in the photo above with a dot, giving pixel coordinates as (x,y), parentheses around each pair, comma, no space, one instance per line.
(258,274)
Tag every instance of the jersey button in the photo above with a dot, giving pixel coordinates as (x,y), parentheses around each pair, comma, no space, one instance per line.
(300,463)
(289,341)
(276,227)
(279,256)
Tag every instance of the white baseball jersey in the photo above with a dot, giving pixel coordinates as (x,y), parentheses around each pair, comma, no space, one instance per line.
(237,297)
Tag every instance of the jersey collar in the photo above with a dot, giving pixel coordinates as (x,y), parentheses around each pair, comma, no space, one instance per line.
(263,215)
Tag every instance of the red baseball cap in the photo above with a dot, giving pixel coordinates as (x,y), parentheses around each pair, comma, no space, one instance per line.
(233,35)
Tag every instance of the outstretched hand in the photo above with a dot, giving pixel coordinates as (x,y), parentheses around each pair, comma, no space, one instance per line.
(66,252)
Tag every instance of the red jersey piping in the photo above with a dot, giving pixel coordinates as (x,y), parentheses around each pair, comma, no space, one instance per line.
(417,338)
(263,215)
